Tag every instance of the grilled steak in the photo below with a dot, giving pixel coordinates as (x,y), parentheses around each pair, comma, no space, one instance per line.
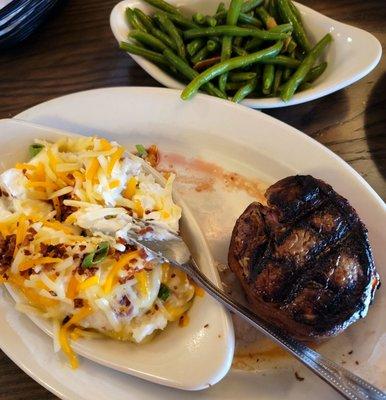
(304,260)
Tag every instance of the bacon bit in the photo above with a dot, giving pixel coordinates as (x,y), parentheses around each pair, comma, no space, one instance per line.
(125,306)
(122,281)
(53,250)
(156,307)
(56,204)
(62,211)
(125,301)
(78,303)
(89,272)
(31,231)
(145,230)
(153,156)
(142,253)
(29,237)
(7,249)
(173,275)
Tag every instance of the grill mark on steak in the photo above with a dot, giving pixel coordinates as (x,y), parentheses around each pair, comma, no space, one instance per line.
(304,260)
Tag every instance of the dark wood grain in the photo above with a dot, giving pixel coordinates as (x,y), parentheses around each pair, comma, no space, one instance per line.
(75,50)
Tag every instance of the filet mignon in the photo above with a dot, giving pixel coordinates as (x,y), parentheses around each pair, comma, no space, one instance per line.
(304,260)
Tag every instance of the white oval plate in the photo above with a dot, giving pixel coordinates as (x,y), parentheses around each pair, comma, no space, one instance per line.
(238,139)
(208,351)
(352,54)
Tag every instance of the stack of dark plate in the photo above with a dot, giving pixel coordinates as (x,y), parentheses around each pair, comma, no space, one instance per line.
(19,18)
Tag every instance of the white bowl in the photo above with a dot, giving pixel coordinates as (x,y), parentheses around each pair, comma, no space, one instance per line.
(206,352)
(352,54)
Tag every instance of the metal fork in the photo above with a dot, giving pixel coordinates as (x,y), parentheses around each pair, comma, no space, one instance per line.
(345,382)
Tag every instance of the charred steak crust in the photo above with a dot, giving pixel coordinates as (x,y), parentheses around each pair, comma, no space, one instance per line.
(304,260)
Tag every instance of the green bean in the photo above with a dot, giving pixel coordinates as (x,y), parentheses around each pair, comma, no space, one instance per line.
(163,5)
(133,21)
(304,86)
(228,30)
(297,78)
(284,61)
(226,49)
(277,81)
(145,19)
(295,11)
(298,30)
(239,51)
(231,86)
(272,9)
(283,28)
(210,21)
(245,91)
(150,27)
(268,77)
(189,72)
(250,5)
(148,40)
(291,46)
(200,55)
(254,43)
(237,42)
(199,18)
(249,19)
(267,19)
(148,54)
(221,8)
(241,76)
(181,21)
(172,31)
(212,45)
(229,65)
(195,45)
(315,72)
(286,74)
(243,18)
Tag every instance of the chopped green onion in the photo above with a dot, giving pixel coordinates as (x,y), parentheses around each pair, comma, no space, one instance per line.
(141,150)
(164,292)
(96,256)
(35,149)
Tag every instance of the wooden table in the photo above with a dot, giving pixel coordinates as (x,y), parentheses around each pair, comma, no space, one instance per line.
(76,51)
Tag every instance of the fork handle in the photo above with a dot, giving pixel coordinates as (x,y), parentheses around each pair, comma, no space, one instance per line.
(345,382)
